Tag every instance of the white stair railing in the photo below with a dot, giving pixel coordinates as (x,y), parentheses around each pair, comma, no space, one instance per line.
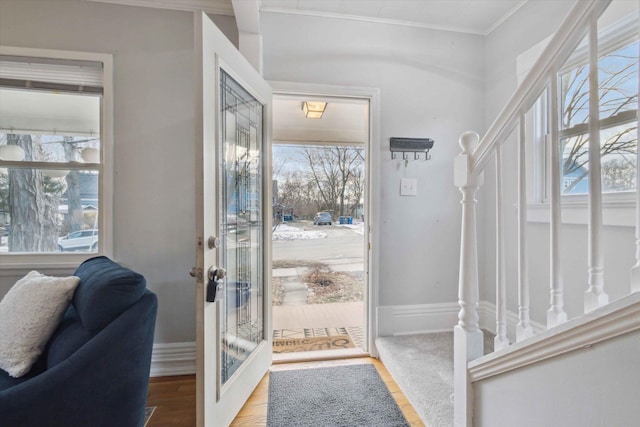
(500,341)
(468,175)
(635,271)
(523,329)
(595,296)
(556,314)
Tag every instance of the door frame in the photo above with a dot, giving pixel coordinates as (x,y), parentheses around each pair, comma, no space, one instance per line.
(280,88)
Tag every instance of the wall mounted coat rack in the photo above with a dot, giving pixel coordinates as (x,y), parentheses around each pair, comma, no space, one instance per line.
(416,146)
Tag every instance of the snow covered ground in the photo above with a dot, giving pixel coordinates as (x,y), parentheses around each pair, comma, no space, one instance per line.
(357,228)
(287,232)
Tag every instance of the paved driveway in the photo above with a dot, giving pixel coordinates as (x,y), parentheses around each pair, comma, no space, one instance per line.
(340,243)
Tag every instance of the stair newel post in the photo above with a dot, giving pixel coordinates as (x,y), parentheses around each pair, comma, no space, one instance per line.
(595,296)
(635,271)
(523,329)
(556,314)
(467,334)
(500,341)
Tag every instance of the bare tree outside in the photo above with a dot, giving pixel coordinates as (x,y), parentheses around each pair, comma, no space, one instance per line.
(74,219)
(32,209)
(332,169)
(39,206)
(618,98)
(298,194)
(320,178)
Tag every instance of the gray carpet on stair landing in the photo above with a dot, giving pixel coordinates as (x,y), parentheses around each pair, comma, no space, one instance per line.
(422,365)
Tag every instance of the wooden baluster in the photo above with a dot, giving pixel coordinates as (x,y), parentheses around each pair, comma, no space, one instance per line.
(635,271)
(523,329)
(500,341)
(556,314)
(467,336)
(595,296)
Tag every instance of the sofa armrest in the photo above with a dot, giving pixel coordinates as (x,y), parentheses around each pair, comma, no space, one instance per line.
(104,383)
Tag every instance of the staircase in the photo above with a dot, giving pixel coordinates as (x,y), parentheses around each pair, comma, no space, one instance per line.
(538,380)
(576,367)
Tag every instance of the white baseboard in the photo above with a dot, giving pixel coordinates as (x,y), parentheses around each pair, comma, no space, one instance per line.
(170,359)
(180,358)
(415,319)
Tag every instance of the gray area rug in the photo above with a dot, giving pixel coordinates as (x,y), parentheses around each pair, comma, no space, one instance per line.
(339,396)
(422,366)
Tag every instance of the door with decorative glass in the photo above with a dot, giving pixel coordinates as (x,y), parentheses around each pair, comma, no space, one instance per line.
(233,224)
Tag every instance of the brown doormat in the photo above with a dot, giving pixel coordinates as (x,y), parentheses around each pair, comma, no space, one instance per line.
(293,345)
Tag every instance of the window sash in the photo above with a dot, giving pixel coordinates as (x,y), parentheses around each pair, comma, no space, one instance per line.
(626,117)
(15,263)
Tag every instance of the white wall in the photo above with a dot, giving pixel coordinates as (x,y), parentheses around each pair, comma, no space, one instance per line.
(532,23)
(431,85)
(591,387)
(154,128)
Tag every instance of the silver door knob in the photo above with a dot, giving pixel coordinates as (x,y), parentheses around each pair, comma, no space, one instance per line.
(216,273)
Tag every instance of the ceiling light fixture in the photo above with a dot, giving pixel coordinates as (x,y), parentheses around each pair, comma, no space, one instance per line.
(313,110)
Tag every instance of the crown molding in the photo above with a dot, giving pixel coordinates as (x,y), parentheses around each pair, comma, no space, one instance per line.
(216,7)
(319,14)
(223,7)
(414,24)
(506,16)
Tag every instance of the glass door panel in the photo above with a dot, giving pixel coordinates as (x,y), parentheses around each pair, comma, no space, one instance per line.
(242,328)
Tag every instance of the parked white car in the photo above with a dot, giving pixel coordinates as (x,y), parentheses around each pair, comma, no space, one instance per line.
(82,240)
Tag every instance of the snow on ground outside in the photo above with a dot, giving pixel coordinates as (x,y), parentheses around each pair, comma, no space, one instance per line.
(357,228)
(288,232)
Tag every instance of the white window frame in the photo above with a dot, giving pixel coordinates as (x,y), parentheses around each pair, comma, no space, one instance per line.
(618,208)
(22,261)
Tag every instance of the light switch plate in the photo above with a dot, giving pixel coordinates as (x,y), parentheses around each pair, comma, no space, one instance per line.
(408,187)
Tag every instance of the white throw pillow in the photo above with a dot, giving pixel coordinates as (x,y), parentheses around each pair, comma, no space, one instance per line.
(29,314)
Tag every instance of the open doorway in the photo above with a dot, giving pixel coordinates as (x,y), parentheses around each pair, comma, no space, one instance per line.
(320,280)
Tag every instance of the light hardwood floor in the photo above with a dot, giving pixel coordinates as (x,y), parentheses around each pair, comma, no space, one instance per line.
(175,397)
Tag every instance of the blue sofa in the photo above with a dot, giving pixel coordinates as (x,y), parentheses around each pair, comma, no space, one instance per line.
(95,369)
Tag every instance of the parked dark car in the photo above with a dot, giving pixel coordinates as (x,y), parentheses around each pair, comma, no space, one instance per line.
(322,218)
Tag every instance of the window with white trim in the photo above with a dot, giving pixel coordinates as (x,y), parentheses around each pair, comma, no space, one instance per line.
(618,100)
(618,78)
(54,203)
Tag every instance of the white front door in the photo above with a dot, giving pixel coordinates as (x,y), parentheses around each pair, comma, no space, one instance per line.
(233,225)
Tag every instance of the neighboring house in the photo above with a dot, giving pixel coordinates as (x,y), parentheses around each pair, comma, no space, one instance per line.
(435,82)
(88,184)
